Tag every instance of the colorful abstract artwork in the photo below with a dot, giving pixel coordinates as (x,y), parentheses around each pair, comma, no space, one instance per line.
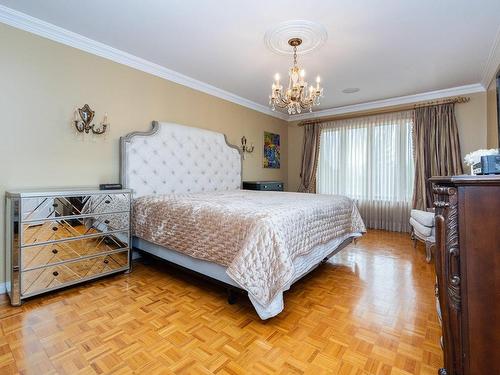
(271,150)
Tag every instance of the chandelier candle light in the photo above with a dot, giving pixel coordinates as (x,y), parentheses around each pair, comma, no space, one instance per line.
(296,97)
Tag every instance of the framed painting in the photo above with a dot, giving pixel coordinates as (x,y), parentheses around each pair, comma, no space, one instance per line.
(271,150)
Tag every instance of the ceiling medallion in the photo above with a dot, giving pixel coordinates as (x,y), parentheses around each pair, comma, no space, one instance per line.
(296,97)
(312,34)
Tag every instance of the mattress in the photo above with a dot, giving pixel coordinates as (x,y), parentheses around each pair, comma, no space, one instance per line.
(257,236)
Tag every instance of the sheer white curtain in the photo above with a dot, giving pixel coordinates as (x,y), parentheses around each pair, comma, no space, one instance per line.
(369,159)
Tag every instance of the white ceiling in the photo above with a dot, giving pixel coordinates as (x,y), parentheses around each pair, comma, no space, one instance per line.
(386,48)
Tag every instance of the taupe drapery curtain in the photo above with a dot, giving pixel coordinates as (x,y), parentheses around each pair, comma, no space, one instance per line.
(436,149)
(310,154)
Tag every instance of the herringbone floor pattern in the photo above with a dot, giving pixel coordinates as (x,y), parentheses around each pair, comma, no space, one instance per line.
(370,310)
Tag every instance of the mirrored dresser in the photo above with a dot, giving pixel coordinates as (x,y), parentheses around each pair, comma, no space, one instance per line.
(59,238)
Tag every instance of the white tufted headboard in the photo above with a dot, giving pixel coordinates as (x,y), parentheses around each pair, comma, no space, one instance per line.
(173,158)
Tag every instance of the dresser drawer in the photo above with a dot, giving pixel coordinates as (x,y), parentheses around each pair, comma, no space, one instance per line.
(54,252)
(60,229)
(41,208)
(44,279)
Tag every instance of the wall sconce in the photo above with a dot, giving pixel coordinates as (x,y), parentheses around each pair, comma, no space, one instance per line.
(84,123)
(244,148)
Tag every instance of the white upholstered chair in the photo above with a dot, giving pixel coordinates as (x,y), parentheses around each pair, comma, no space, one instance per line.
(422,229)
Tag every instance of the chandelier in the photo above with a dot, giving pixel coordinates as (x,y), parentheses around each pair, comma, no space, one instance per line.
(297,96)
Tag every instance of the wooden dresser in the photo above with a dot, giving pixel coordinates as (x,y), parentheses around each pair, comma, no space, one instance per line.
(467,268)
(59,238)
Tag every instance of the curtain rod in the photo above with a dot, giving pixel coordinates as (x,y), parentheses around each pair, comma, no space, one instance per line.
(406,107)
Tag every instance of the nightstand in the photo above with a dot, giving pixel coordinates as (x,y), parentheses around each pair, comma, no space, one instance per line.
(263,185)
(61,237)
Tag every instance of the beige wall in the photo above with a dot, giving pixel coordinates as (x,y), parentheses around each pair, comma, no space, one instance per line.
(43,81)
(471,119)
(491,105)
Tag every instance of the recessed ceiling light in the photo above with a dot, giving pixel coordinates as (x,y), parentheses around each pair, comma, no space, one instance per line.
(350,90)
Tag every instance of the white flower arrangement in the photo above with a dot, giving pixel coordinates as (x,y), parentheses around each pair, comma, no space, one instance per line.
(475,157)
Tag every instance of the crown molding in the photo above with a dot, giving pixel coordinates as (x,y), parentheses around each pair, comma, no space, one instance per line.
(50,31)
(407,99)
(492,63)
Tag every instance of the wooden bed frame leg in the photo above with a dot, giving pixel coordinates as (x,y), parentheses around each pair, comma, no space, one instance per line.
(232,297)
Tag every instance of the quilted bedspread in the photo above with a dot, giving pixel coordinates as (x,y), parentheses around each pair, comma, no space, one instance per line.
(256,235)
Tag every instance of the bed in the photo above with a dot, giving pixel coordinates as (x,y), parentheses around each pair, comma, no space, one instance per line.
(189,209)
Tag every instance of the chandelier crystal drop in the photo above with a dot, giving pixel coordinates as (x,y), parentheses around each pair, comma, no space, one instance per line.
(297,96)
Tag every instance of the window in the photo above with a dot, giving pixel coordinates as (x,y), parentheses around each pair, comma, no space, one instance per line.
(369,159)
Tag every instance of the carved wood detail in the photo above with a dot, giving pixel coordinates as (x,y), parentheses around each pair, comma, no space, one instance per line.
(448,207)
(448,271)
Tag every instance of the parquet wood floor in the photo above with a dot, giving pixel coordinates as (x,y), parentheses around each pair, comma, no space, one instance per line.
(370,310)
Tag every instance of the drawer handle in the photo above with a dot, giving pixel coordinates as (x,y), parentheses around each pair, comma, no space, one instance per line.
(106,221)
(55,273)
(107,201)
(54,251)
(55,205)
(106,261)
(54,228)
(265,186)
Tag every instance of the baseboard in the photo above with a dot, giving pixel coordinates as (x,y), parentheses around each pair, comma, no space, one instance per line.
(2,288)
